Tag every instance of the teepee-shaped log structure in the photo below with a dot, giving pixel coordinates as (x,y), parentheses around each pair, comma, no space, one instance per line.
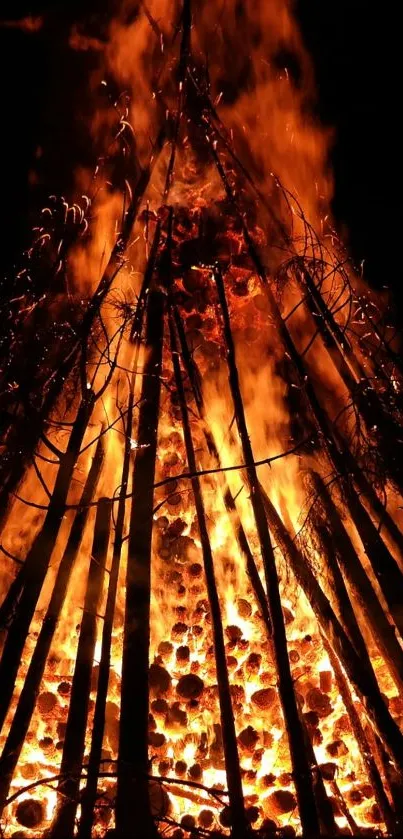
(201,492)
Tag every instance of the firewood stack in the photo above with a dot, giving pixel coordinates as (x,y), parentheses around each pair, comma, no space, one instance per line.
(201,615)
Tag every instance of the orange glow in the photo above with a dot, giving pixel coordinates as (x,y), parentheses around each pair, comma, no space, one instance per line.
(264,121)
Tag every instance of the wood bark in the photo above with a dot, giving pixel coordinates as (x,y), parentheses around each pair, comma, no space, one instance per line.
(98,728)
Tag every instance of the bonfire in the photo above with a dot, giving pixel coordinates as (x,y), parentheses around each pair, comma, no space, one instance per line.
(202,467)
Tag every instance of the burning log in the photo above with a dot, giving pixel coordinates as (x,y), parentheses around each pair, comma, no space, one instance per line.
(393,781)
(365,685)
(386,524)
(301,767)
(351,626)
(391,822)
(324,809)
(383,563)
(237,819)
(364,593)
(194,376)
(133,738)
(74,742)
(385,568)
(98,727)
(341,807)
(26,703)
(37,561)
(362,392)
(94,763)
(30,813)
(339,591)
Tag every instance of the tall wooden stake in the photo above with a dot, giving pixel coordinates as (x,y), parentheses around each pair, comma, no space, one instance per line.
(232,767)
(363,681)
(74,743)
(381,629)
(27,699)
(38,558)
(251,569)
(98,728)
(133,810)
(301,768)
(392,823)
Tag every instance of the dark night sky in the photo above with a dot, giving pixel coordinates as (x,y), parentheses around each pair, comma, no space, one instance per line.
(357,60)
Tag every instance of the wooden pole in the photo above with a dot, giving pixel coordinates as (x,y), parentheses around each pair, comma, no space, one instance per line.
(301,769)
(27,699)
(251,569)
(232,767)
(382,631)
(74,742)
(38,558)
(350,623)
(366,687)
(98,728)
(391,822)
(133,810)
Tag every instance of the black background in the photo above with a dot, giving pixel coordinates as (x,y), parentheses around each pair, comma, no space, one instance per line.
(356,53)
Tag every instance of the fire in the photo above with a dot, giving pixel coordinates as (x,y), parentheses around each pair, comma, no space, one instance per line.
(201,597)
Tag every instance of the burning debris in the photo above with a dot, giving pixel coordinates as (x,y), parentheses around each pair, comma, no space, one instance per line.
(201,615)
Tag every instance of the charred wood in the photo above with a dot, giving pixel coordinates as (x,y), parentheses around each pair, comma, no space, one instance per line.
(381,629)
(253,574)
(38,558)
(133,805)
(232,766)
(364,683)
(27,700)
(74,743)
(301,768)
(391,820)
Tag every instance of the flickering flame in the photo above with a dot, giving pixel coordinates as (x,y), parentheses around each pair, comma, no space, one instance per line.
(265,117)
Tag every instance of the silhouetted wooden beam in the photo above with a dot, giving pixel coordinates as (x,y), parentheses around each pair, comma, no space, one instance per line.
(251,569)
(74,742)
(362,680)
(29,694)
(390,818)
(133,811)
(38,557)
(381,629)
(98,728)
(231,757)
(302,771)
